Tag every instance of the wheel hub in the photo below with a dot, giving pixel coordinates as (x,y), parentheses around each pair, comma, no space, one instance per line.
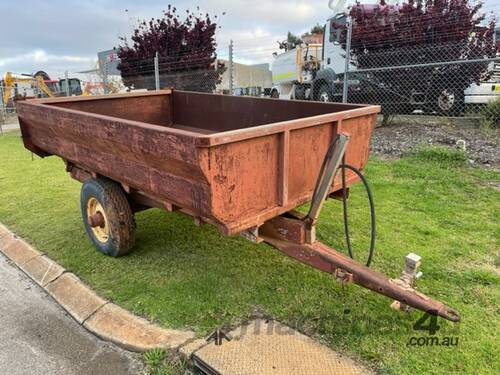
(96,220)
(446,100)
(96,217)
(324,97)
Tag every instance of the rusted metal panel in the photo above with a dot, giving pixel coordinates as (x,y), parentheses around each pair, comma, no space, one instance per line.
(154,109)
(228,113)
(307,150)
(234,161)
(360,129)
(284,165)
(244,178)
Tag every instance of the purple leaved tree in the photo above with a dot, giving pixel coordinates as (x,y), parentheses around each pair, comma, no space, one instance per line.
(420,32)
(186,47)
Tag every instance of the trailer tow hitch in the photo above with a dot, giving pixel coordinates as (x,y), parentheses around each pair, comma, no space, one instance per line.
(294,234)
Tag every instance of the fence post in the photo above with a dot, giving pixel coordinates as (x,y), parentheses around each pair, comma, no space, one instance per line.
(345,89)
(231,67)
(157,71)
(66,83)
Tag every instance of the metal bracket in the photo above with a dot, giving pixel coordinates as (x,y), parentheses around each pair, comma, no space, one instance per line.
(327,173)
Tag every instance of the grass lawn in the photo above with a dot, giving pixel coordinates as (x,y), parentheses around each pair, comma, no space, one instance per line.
(184,276)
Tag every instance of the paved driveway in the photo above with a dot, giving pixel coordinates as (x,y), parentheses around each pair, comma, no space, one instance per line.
(38,337)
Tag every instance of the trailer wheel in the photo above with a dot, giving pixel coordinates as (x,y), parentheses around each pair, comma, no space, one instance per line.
(107,216)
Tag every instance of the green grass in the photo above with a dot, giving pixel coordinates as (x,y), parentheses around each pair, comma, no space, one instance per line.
(159,362)
(180,275)
(441,156)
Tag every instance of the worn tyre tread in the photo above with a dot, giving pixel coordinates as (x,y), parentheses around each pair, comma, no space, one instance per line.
(118,211)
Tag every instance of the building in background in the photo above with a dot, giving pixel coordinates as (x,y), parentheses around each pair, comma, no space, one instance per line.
(108,62)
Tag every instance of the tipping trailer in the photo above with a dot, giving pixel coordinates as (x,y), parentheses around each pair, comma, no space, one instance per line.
(242,164)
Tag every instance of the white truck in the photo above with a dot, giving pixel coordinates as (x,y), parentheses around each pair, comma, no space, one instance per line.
(310,72)
(488,90)
(316,72)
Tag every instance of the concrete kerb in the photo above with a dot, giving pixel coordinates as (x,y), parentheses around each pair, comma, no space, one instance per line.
(42,270)
(103,318)
(75,297)
(112,323)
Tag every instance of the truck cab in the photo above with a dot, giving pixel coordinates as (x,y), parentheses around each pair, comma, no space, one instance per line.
(311,71)
(75,86)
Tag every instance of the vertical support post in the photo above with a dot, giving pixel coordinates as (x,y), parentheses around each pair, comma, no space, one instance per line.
(327,173)
(157,71)
(284,155)
(347,61)
(231,67)
(66,83)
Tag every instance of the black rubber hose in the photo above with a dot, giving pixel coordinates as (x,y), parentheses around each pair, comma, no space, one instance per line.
(345,166)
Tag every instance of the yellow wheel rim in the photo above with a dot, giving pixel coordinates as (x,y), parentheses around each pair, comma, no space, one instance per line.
(101,233)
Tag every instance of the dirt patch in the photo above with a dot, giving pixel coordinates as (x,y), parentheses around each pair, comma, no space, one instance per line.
(404,134)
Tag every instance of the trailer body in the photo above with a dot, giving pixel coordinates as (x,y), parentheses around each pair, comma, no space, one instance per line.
(233,161)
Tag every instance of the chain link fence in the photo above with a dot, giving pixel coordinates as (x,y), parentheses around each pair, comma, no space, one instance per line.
(187,72)
(445,85)
(15,87)
(8,113)
(436,77)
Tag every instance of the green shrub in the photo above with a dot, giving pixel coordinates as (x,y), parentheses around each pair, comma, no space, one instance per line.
(490,116)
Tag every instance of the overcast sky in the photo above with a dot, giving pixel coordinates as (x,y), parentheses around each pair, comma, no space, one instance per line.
(59,35)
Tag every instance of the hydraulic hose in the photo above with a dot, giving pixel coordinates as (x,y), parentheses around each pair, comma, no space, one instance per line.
(343,167)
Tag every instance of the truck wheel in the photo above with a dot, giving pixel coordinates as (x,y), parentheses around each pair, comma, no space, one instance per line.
(324,93)
(450,102)
(107,216)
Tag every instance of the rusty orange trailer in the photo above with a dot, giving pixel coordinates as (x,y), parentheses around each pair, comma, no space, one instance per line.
(240,163)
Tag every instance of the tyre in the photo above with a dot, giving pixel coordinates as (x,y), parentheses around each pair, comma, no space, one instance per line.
(450,102)
(300,92)
(324,93)
(275,94)
(107,216)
